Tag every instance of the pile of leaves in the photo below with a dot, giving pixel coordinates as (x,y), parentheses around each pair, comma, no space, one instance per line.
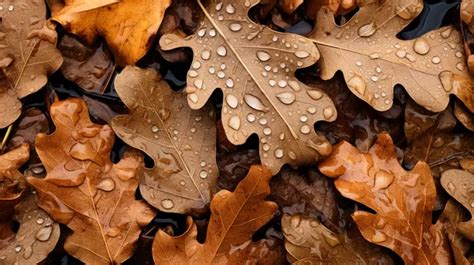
(236,132)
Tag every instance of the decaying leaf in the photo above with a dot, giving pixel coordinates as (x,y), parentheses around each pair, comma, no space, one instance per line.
(28,54)
(85,191)
(37,234)
(90,67)
(254,67)
(235,216)
(307,241)
(374,60)
(460,185)
(181,141)
(402,201)
(127,26)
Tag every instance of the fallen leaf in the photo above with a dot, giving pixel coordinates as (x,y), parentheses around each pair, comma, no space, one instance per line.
(28,54)
(85,191)
(234,166)
(467,12)
(307,241)
(460,185)
(79,5)
(181,141)
(464,115)
(127,26)
(90,67)
(289,6)
(430,67)
(337,7)
(403,201)
(254,67)
(37,234)
(32,122)
(235,216)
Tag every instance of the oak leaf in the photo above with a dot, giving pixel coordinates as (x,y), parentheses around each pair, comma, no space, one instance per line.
(366,49)
(37,234)
(181,141)
(28,54)
(235,216)
(464,115)
(254,67)
(460,185)
(307,241)
(85,191)
(127,26)
(403,201)
(467,12)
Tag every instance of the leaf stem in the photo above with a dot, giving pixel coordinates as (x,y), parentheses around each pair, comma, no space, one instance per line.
(5,137)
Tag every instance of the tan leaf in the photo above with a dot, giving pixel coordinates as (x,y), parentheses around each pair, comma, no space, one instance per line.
(78,5)
(336,6)
(90,67)
(366,49)
(235,216)
(254,67)
(403,201)
(28,54)
(460,185)
(37,234)
(181,141)
(464,115)
(467,11)
(127,26)
(307,241)
(85,191)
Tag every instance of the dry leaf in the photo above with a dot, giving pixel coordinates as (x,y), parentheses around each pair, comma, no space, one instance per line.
(181,141)
(374,60)
(78,6)
(464,115)
(336,6)
(235,216)
(127,26)
(403,201)
(467,11)
(37,234)
(85,191)
(90,67)
(460,185)
(254,67)
(307,241)
(289,6)
(28,54)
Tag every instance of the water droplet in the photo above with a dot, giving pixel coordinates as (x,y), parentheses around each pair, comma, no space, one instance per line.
(357,83)
(281,136)
(247,3)
(219,6)
(374,56)
(272,82)
(40,221)
(155,128)
(460,66)
(374,78)
(304,118)
(328,112)
(279,153)
(106,184)
(182,183)
(451,188)
(234,122)
(294,85)
(266,147)
(193,73)
(401,53)
(358,63)
(383,179)
(18,249)
(267,131)
(458,54)
(230,9)
(222,51)
(305,129)
(254,102)
(311,110)
(301,54)
(212,33)
(27,254)
(367,30)
(196,65)
(205,55)
(44,233)
(314,94)
(436,60)
(378,70)
(212,70)
(251,118)
(421,46)
(203,174)
(446,33)
(221,74)
(235,26)
(193,97)
(263,56)
(167,203)
(202,32)
(286,97)
(11,8)
(198,83)
(232,101)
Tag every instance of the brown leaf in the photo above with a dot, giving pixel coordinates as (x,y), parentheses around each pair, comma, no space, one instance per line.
(312,7)
(307,241)
(79,5)
(181,141)
(460,185)
(289,6)
(28,55)
(254,66)
(235,216)
(85,191)
(127,26)
(430,68)
(467,11)
(464,115)
(90,67)
(403,201)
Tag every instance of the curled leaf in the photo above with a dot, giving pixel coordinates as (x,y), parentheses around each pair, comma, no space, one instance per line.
(403,201)
(254,67)
(181,141)
(85,191)
(235,216)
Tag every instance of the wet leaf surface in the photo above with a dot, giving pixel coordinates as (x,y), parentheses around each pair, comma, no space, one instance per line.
(254,67)
(85,191)
(403,201)
(181,141)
